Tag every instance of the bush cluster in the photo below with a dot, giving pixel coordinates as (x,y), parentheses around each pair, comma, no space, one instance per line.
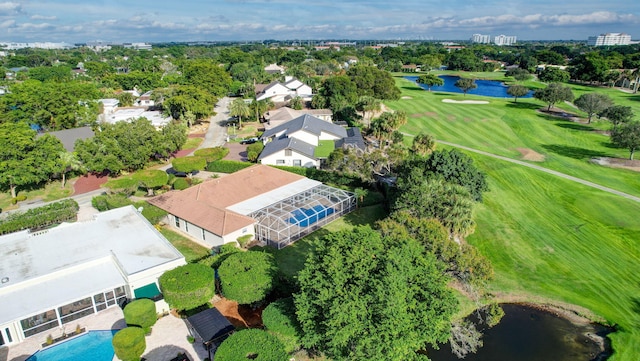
(129,343)
(252,344)
(280,319)
(254,150)
(214,261)
(181,183)
(212,154)
(187,287)
(141,313)
(41,217)
(227,166)
(19,198)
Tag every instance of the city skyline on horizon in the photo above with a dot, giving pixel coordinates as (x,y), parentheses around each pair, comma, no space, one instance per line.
(254,20)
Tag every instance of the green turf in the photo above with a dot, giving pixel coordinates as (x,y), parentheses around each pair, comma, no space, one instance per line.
(547,237)
(324,148)
(189,249)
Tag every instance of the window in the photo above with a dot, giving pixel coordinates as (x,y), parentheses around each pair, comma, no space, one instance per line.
(279,161)
(100,301)
(120,294)
(178,222)
(39,323)
(186,226)
(9,338)
(288,153)
(76,310)
(203,235)
(297,162)
(110,298)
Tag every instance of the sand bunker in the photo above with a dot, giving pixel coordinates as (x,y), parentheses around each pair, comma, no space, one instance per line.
(465,101)
(531,155)
(406,97)
(633,165)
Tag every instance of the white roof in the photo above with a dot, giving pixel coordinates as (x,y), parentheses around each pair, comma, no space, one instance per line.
(46,268)
(258,202)
(125,114)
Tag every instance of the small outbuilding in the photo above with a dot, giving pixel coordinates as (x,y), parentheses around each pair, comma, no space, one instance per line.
(211,327)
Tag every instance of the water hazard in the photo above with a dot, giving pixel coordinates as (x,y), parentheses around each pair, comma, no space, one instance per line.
(489,88)
(530,334)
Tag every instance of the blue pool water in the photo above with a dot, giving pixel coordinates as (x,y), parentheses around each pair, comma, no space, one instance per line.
(94,345)
(489,88)
(304,217)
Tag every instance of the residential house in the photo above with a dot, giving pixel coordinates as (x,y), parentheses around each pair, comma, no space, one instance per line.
(282,92)
(52,278)
(274,69)
(282,115)
(274,206)
(304,141)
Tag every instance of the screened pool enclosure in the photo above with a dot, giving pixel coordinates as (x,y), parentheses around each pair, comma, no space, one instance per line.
(290,219)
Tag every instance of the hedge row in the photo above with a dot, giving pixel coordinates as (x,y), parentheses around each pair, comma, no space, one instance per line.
(324,176)
(227,166)
(41,217)
(111,201)
(212,154)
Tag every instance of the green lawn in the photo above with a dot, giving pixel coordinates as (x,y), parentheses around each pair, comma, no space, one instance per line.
(547,238)
(324,148)
(189,249)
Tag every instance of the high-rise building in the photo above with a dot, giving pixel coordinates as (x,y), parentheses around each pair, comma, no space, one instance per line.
(609,39)
(481,39)
(501,40)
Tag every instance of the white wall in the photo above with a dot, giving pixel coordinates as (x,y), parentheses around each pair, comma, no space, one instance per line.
(288,161)
(328,136)
(305,137)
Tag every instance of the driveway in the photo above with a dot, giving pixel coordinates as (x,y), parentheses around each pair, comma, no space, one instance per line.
(216,135)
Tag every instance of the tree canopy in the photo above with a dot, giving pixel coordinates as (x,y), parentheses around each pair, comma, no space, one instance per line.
(593,103)
(430,80)
(364,297)
(517,91)
(554,93)
(251,344)
(373,82)
(465,84)
(627,136)
(247,277)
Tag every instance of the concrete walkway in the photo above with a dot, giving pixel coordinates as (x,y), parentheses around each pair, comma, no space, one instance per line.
(216,135)
(546,170)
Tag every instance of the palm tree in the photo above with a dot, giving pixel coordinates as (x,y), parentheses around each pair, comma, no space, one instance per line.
(360,193)
(67,162)
(238,108)
(423,144)
(368,104)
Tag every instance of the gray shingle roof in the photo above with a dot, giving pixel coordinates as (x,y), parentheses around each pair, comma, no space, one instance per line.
(308,123)
(68,137)
(353,139)
(294,144)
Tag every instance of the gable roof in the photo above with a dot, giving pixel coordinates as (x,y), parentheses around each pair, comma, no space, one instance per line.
(294,144)
(206,204)
(308,123)
(68,137)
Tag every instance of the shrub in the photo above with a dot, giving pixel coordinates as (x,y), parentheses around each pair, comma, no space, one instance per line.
(129,343)
(254,150)
(152,213)
(214,261)
(243,240)
(181,183)
(187,286)
(41,217)
(141,313)
(227,166)
(280,319)
(212,154)
(151,178)
(126,185)
(188,164)
(19,198)
(251,344)
(110,201)
(247,277)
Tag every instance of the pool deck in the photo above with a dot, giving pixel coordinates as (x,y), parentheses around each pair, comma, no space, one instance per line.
(168,338)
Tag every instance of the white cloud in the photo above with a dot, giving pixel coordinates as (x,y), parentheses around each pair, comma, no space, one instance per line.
(10,8)
(7,23)
(43,17)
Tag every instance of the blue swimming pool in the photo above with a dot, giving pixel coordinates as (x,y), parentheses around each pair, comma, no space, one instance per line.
(94,345)
(304,217)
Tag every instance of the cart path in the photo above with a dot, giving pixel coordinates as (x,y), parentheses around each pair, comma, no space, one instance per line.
(543,169)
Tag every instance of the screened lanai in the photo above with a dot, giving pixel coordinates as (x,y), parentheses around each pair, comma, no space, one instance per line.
(292,218)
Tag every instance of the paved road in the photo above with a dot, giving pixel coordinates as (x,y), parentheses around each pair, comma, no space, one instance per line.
(217,133)
(543,169)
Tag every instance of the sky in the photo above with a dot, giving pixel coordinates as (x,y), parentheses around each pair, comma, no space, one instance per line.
(250,20)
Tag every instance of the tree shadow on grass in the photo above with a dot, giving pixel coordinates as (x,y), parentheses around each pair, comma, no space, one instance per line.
(523,105)
(574,126)
(573,152)
(407,87)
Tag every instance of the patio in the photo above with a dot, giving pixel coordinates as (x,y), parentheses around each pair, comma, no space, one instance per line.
(168,338)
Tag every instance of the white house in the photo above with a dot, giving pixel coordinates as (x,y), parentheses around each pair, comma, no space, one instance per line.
(109,105)
(156,117)
(51,279)
(304,141)
(281,92)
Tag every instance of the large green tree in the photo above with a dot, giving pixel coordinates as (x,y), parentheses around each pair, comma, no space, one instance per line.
(552,74)
(182,99)
(24,159)
(593,103)
(517,91)
(207,75)
(465,85)
(373,82)
(430,80)
(247,277)
(252,344)
(364,297)
(554,93)
(618,114)
(338,92)
(239,108)
(627,136)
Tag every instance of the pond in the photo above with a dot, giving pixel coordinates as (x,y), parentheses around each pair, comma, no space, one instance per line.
(489,88)
(529,334)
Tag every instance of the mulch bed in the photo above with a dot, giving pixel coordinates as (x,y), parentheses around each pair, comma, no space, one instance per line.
(241,316)
(88,183)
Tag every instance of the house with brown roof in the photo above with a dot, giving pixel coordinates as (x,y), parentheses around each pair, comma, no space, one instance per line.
(276,206)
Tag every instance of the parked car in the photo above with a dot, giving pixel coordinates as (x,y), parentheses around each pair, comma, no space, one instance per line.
(249,140)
